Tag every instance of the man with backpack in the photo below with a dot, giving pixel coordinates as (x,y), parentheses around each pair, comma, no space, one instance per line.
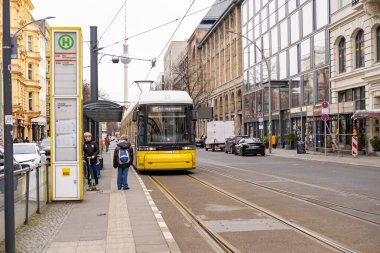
(122,159)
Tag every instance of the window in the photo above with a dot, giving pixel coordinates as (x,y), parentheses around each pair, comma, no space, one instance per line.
(272,13)
(305,55)
(30,71)
(250,9)
(264,18)
(292,5)
(258,52)
(281,9)
(378,43)
(256,28)
(296,91)
(342,55)
(274,35)
(283,65)
(359,49)
(30,45)
(294,31)
(251,55)
(30,101)
(323,85)
(322,13)
(320,48)
(246,58)
(307,19)
(293,60)
(359,98)
(266,45)
(308,98)
(273,68)
(257,5)
(284,34)
(258,75)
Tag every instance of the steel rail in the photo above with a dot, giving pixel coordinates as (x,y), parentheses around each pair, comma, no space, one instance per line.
(222,243)
(321,203)
(305,231)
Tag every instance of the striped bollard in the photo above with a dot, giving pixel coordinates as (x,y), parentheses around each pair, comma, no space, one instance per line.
(355,146)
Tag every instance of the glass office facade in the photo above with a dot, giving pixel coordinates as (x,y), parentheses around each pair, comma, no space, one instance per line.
(291,37)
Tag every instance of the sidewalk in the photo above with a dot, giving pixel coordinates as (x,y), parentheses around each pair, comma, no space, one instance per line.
(112,220)
(371,161)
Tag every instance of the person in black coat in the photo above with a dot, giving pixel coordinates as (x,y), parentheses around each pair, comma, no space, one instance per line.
(91,150)
(122,168)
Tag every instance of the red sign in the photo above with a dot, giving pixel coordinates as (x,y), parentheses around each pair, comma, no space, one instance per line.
(325,117)
(325,104)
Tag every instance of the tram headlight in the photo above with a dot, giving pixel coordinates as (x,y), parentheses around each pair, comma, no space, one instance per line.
(188,147)
(143,148)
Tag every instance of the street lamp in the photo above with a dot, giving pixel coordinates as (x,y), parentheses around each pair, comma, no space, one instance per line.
(8,49)
(14,37)
(269,85)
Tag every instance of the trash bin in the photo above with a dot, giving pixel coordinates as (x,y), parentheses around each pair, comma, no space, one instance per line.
(100,162)
(301,147)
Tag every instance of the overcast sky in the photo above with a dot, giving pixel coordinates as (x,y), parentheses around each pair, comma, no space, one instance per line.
(141,15)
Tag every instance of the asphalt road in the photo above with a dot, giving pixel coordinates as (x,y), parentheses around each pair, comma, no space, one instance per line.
(337,201)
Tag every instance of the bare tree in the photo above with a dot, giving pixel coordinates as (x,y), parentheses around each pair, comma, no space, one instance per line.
(190,80)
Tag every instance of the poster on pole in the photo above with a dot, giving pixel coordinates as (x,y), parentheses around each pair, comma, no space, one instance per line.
(66,113)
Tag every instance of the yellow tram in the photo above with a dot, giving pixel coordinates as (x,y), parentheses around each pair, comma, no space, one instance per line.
(161,128)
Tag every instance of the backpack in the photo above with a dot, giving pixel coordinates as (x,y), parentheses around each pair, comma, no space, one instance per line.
(124,157)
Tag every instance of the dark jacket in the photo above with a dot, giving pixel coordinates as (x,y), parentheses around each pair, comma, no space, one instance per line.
(123,145)
(90,148)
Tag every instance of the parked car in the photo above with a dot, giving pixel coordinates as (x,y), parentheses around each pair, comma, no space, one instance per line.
(199,143)
(252,146)
(29,153)
(231,143)
(45,146)
(16,165)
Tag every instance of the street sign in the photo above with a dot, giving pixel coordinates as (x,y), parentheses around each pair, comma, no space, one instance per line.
(325,104)
(261,125)
(261,119)
(325,117)
(325,110)
(66,113)
(260,115)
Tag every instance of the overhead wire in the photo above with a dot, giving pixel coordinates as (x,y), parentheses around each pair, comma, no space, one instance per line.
(113,19)
(164,24)
(167,43)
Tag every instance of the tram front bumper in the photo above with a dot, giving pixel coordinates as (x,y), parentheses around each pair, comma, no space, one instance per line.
(166,161)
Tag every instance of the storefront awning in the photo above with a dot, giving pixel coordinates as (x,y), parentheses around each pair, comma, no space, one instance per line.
(39,120)
(363,114)
(103,111)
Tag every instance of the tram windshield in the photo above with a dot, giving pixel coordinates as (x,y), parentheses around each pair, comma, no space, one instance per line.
(169,124)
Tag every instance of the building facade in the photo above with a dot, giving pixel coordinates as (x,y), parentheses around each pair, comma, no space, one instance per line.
(26,83)
(355,68)
(290,37)
(173,55)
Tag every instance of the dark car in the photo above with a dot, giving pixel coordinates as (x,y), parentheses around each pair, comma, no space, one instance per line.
(199,143)
(45,146)
(231,143)
(251,146)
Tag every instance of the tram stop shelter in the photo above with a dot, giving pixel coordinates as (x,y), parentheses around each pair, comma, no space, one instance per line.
(100,111)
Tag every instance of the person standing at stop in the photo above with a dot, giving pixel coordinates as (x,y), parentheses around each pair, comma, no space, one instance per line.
(107,142)
(91,149)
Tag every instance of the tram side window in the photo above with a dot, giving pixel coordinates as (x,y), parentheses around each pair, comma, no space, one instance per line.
(141,130)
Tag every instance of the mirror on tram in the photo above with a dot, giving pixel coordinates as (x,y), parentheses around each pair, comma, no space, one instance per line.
(194,115)
(135,114)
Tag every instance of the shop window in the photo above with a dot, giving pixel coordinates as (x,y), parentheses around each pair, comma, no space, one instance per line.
(342,55)
(359,49)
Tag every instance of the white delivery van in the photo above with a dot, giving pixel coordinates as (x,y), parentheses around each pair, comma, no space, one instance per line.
(217,132)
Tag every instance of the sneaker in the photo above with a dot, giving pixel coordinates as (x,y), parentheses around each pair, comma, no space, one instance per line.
(126,188)
(119,188)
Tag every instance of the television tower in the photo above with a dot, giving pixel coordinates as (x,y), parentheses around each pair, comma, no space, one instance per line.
(125,59)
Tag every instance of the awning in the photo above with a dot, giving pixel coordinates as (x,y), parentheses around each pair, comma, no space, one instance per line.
(363,114)
(39,120)
(103,111)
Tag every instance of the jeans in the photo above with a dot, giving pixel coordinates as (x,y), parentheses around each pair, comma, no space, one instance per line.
(107,146)
(122,175)
(94,169)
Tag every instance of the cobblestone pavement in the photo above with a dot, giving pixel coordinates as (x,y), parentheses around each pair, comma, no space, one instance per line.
(41,229)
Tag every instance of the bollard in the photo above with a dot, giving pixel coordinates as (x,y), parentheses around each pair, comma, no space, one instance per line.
(47,184)
(27,198)
(355,146)
(38,188)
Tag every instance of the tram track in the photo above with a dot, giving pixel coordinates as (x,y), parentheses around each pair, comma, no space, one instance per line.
(227,247)
(321,203)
